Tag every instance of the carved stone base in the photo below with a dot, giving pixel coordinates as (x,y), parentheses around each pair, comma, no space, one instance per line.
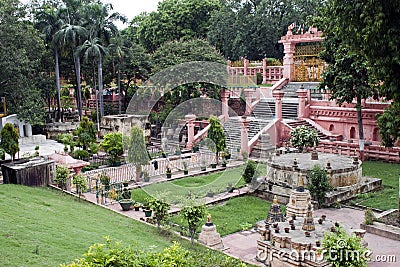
(210,237)
(298,203)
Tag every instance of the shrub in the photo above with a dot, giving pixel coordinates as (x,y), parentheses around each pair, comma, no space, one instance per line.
(115,254)
(250,171)
(302,137)
(343,249)
(61,176)
(369,216)
(80,154)
(318,184)
(160,209)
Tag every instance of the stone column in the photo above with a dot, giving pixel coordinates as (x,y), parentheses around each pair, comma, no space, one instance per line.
(302,94)
(264,81)
(288,60)
(278,95)
(246,65)
(225,107)
(190,118)
(248,94)
(244,134)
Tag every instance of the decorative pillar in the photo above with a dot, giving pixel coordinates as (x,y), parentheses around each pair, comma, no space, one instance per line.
(190,118)
(244,134)
(302,94)
(246,66)
(278,95)
(264,81)
(288,60)
(248,95)
(225,106)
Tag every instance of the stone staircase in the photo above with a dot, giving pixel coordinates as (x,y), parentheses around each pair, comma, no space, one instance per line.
(265,109)
(291,88)
(295,124)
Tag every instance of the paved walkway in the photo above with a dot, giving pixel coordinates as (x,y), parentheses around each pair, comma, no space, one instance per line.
(244,246)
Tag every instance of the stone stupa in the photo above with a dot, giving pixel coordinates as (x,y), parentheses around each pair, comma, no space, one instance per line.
(308,224)
(299,200)
(209,235)
(275,213)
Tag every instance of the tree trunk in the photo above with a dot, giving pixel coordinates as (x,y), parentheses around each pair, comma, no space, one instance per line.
(96,97)
(100,82)
(58,85)
(119,88)
(138,171)
(360,124)
(216,157)
(78,84)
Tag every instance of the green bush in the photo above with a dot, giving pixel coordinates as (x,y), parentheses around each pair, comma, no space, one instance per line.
(250,171)
(114,254)
(80,154)
(302,137)
(61,176)
(318,184)
(369,216)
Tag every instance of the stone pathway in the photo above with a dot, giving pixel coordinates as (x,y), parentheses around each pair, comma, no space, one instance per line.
(244,246)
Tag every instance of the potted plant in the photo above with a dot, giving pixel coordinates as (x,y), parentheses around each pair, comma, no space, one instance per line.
(185,168)
(178,151)
(145,175)
(210,193)
(203,166)
(229,188)
(125,183)
(224,162)
(169,172)
(227,154)
(195,147)
(213,165)
(105,180)
(137,206)
(125,204)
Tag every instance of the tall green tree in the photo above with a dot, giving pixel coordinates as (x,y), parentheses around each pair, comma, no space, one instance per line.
(174,20)
(217,136)
(9,140)
(252,29)
(49,21)
(347,76)
(371,28)
(318,184)
(70,37)
(21,53)
(137,151)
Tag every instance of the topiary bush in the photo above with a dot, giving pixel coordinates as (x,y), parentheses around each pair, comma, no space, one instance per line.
(318,184)
(249,171)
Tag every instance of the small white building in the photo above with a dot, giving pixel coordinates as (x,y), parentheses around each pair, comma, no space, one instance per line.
(24,129)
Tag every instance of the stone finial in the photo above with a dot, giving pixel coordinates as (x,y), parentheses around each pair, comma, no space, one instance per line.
(275,201)
(328,165)
(209,218)
(300,184)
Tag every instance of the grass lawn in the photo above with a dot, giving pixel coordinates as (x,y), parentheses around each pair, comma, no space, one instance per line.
(384,199)
(232,215)
(177,190)
(42,227)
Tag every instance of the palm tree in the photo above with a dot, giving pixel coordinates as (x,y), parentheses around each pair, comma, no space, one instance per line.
(102,26)
(50,22)
(92,49)
(70,36)
(117,50)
